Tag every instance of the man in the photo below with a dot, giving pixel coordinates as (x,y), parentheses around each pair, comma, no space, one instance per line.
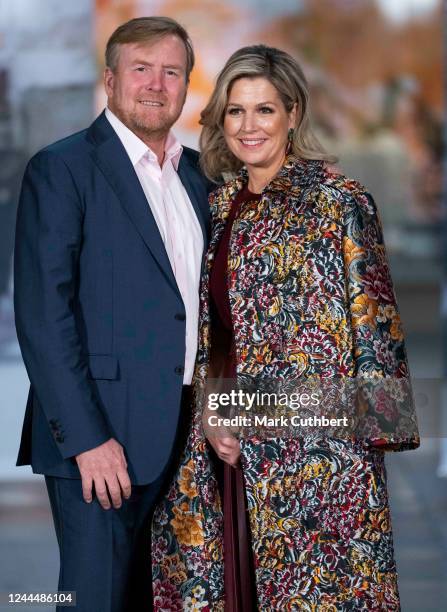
(111,230)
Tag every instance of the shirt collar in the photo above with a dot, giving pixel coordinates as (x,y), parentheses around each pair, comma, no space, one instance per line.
(136,148)
(173,150)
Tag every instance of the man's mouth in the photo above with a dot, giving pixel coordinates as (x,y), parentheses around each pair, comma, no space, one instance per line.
(252,142)
(151,103)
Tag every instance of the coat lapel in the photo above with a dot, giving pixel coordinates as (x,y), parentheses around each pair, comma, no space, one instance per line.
(220,203)
(196,193)
(113,161)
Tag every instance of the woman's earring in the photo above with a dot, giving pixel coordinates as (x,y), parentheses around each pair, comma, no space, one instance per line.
(290,134)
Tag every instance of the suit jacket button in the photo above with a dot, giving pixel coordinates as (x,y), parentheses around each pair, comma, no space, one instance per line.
(179,317)
(179,370)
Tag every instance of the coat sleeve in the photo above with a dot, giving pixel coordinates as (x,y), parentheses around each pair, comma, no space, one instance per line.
(47,249)
(385,407)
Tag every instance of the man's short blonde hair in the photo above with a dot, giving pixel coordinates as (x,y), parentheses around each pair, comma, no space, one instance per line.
(145,30)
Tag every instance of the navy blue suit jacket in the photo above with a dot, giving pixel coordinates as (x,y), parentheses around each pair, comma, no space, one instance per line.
(99,317)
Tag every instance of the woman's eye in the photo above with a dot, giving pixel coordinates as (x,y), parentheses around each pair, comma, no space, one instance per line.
(265,110)
(233,111)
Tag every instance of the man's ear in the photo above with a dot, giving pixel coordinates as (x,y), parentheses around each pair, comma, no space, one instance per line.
(109,81)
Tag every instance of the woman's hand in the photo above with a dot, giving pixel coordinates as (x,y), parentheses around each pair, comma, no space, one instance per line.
(222,439)
(227,448)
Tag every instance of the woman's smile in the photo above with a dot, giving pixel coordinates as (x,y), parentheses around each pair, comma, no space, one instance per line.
(252,143)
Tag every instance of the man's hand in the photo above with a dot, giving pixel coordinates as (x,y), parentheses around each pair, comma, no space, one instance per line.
(228,449)
(105,467)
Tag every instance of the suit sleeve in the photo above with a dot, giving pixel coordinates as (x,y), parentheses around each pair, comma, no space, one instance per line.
(385,402)
(48,244)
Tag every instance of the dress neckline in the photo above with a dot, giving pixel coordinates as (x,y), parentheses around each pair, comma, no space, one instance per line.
(246,194)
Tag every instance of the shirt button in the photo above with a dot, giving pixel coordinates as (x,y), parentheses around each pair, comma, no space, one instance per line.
(179,370)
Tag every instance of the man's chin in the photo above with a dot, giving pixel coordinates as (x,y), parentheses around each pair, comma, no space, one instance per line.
(149,128)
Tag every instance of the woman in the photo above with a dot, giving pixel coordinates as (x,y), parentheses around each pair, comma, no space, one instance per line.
(296,275)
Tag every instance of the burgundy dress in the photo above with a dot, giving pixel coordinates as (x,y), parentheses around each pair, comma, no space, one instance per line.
(240,589)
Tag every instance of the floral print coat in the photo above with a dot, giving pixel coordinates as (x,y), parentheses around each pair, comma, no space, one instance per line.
(310,295)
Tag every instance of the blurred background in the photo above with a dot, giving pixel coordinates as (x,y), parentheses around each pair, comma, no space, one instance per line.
(375,69)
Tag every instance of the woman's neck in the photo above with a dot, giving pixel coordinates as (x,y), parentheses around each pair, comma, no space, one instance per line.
(259,177)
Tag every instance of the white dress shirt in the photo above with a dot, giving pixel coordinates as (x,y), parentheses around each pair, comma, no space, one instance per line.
(176,221)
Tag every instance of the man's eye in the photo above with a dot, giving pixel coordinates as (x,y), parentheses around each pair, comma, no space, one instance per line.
(171,73)
(140,68)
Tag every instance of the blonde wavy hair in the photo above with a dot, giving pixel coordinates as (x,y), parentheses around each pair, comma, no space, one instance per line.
(285,74)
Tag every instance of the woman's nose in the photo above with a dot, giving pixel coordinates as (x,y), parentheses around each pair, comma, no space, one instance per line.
(248,122)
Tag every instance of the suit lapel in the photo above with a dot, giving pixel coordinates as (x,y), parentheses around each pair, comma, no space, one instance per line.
(113,161)
(193,188)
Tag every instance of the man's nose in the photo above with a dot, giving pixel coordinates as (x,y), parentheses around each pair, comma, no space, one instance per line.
(155,81)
